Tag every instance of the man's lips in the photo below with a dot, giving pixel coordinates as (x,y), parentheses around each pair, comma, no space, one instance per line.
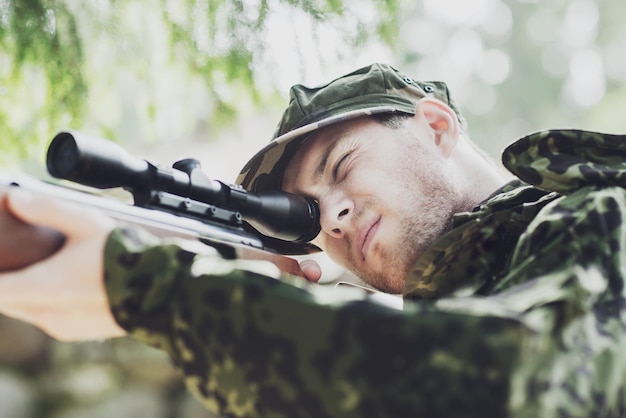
(366,235)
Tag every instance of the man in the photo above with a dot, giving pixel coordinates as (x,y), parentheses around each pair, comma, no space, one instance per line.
(372,197)
(514,294)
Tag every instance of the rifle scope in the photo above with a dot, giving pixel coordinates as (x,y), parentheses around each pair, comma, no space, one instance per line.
(103,164)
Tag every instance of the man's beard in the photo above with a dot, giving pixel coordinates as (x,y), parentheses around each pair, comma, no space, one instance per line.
(432,201)
(423,227)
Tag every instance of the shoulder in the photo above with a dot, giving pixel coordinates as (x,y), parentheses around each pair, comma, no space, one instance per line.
(565,160)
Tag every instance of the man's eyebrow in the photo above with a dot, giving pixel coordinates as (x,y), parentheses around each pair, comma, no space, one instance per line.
(321,166)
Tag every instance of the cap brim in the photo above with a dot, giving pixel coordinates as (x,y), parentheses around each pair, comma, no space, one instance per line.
(272,159)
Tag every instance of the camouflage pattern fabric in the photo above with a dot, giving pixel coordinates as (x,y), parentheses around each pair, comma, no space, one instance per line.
(519,311)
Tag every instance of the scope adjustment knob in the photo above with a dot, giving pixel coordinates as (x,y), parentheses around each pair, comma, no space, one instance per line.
(187,165)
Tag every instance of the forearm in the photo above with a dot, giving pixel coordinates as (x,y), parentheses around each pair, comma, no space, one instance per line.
(251,345)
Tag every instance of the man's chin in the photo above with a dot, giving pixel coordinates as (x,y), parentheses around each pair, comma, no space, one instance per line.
(383,273)
(395,287)
(383,282)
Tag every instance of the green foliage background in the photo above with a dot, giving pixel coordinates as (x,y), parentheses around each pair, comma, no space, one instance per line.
(58,56)
(123,69)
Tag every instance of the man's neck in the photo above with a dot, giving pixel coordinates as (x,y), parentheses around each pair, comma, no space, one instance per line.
(481,175)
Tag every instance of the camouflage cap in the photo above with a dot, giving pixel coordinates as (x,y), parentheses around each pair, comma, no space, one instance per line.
(375,89)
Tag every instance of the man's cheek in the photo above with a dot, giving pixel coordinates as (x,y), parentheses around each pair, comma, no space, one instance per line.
(339,255)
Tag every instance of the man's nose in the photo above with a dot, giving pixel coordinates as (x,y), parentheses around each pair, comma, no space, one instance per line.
(335,214)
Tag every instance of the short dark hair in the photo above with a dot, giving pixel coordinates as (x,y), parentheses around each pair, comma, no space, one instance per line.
(391,120)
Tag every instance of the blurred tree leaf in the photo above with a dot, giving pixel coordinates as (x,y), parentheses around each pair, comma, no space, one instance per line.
(45,46)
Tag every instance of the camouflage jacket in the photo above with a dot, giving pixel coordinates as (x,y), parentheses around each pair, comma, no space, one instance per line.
(518,311)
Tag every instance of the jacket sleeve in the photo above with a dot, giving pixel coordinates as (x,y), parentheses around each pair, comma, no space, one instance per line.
(253,345)
(567,278)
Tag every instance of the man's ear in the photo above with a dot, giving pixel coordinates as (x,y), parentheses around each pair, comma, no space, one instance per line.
(442,122)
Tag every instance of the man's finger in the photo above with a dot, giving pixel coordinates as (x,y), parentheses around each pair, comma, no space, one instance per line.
(311,269)
(70,219)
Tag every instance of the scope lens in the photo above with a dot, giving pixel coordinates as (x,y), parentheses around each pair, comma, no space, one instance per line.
(62,156)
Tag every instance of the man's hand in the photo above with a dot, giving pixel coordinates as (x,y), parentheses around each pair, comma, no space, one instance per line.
(63,294)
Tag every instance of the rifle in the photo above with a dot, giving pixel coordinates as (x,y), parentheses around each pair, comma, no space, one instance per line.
(178,201)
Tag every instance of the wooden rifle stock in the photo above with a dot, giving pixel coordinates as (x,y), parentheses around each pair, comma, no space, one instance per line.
(22,244)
